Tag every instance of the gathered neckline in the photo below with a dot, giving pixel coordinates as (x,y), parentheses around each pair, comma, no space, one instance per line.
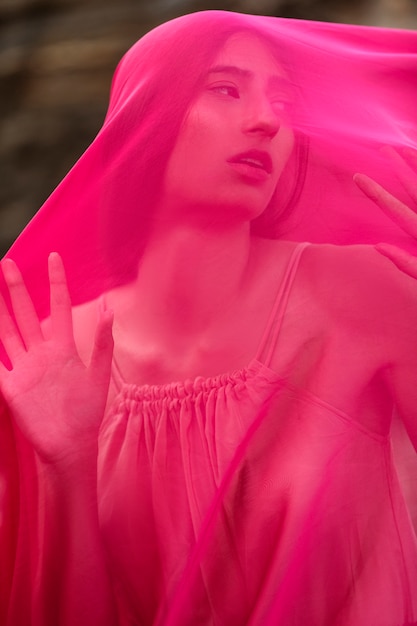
(198,385)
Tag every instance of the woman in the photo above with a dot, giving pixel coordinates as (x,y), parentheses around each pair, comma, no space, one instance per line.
(245,473)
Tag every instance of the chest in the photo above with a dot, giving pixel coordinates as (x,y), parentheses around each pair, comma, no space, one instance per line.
(308,348)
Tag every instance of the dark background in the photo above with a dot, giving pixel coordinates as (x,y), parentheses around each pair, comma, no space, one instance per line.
(56,63)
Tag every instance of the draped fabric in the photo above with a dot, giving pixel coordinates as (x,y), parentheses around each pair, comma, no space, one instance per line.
(246,473)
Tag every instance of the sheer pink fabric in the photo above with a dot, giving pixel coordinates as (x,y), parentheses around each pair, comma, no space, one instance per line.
(248,481)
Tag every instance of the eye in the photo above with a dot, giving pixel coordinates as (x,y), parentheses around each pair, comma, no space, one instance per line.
(280,105)
(225,89)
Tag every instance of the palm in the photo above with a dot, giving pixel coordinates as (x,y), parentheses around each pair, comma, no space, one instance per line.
(57,402)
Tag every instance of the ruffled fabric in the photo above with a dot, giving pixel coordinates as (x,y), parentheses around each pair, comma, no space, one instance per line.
(215,511)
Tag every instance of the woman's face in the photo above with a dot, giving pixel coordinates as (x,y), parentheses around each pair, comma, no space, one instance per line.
(236,138)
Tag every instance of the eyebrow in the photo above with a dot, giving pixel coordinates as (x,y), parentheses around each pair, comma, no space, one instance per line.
(276,81)
(230,69)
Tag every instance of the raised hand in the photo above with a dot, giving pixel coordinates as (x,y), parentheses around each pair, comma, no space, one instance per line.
(403,215)
(57,402)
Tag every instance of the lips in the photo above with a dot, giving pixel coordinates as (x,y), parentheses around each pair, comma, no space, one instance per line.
(258,159)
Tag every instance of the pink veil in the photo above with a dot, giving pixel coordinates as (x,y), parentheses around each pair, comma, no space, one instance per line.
(256,557)
(348,116)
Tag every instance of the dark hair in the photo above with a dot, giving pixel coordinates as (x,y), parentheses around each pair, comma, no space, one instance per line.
(271,222)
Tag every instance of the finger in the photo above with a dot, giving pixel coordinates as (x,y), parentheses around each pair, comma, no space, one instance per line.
(9,334)
(394,208)
(405,173)
(406,262)
(24,312)
(102,354)
(61,311)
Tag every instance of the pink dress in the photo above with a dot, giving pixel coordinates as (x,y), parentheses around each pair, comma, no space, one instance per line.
(233,500)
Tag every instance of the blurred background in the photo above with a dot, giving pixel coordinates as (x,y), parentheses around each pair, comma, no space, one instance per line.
(56,62)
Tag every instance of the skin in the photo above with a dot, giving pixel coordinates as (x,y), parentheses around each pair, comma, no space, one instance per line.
(211,311)
(63,431)
(233,113)
(248,106)
(400,213)
(211,300)
(41,356)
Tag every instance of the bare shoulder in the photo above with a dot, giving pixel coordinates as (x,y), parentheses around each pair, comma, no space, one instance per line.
(359,265)
(361,286)
(353,283)
(361,268)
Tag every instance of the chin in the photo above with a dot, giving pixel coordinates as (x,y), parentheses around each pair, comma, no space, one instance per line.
(223,209)
(248,209)
(241,213)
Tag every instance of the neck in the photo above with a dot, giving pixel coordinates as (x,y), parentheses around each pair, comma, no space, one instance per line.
(190,274)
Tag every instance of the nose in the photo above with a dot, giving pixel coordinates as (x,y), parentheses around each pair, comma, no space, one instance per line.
(261,118)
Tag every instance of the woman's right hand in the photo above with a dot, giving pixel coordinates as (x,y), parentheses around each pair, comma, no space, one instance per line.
(56,401)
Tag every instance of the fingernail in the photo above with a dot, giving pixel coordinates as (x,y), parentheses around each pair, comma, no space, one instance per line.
(54,256)
(388,250)
(109,314)
(359,177)
(10,269)
(102,304)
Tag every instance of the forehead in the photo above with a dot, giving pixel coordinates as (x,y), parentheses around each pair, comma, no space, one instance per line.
(249,52)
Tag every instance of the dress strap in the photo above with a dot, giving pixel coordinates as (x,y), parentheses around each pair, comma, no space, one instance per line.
(116,375)
(273,327)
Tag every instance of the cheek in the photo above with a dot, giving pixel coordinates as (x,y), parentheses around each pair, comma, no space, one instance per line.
(196,144)
(190,167)
(204,132)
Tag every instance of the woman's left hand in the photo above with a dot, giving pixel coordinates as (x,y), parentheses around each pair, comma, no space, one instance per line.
(399,212)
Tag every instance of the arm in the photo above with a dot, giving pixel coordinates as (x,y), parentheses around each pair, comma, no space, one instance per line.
(74,582)
(401,372)
(57,404)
